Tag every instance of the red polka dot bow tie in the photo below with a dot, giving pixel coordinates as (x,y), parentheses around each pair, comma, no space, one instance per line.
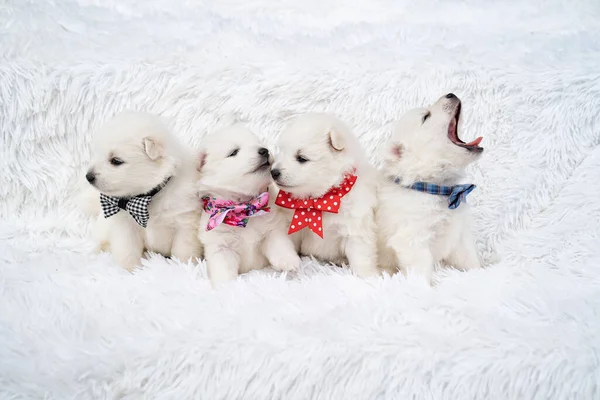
(309,212)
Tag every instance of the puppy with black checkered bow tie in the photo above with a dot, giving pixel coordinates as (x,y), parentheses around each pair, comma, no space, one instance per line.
(141,188)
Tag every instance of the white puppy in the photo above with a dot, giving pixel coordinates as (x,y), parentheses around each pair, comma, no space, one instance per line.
(239,228)
(328,192)
(142,191)
(417,229)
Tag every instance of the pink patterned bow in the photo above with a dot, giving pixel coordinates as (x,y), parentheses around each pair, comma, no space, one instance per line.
(234,213)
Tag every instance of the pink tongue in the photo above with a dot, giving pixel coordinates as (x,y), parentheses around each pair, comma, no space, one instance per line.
(474,142)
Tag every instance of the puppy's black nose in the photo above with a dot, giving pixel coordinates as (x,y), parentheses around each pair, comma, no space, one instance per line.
(263,152)
(275,173)
(90,176)
(450,96)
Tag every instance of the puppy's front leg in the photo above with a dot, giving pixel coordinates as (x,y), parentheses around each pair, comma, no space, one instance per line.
(362,256)
(280,251)
(126,244)
(222,264)
(186,245)
(464,255)
(413,256)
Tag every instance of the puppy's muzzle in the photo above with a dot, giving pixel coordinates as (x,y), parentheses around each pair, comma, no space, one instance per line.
(275,174)
(263,162)
(90,177)
(264,153)
(450,103)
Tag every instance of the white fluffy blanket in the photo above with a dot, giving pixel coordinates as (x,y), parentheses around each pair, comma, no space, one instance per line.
(74,325)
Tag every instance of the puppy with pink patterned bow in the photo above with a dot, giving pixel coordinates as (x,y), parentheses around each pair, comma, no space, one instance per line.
(239,227)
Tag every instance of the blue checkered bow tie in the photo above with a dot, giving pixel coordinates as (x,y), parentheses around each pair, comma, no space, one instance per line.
(136,206)
(456,194)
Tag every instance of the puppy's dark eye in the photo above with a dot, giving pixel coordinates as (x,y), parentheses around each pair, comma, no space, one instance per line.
(426,116)
(116,161)
(301,159)
(234,153)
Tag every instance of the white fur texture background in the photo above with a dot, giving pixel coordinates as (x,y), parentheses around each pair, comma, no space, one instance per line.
(74,325)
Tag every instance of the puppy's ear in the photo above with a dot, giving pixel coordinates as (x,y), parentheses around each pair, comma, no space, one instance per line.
(201,160)
(336,140)
(153,148)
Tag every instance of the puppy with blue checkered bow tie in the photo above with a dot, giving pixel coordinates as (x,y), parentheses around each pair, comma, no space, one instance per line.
(141,188)
(422,215)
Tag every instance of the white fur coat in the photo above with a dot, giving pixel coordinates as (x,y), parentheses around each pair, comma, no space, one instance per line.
(75,325)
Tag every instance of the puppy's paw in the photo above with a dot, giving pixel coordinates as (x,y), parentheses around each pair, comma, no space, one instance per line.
(465,259)
(421,272)
(286,262)
(129,264)
(221,276)
(467,267)
(365,270)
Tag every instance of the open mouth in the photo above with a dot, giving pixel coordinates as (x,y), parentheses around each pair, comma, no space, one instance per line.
(265,165)
(453,134)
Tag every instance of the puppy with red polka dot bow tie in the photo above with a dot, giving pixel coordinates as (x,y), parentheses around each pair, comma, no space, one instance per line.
(327,192)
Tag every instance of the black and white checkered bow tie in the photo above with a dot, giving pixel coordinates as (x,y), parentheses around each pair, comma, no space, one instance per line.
(136,206)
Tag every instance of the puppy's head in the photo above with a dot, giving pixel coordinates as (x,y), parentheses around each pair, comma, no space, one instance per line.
(315,151)
(425,143)
(132,154)
(233,163)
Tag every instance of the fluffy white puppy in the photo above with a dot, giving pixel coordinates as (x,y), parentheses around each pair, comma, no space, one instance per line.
(239,228)
(142,191)
(328,192)
(422,216)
